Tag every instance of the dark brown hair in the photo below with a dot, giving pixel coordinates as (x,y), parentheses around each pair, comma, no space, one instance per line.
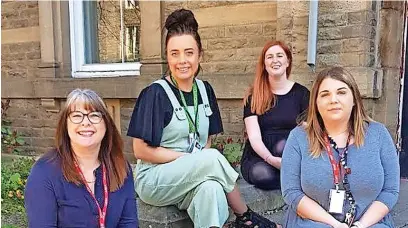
(182,22)
(111,151)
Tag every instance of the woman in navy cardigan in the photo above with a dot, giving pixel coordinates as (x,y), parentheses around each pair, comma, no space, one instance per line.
(85,181)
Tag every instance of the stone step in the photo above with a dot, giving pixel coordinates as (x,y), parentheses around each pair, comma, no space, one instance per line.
(170,217)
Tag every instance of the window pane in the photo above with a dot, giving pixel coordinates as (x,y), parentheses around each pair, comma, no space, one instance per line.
(112,31)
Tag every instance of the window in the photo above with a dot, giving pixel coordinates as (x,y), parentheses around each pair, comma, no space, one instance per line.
(105,38)
(132,43)
(131,4)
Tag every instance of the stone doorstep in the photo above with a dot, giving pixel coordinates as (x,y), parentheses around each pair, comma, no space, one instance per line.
(170,217)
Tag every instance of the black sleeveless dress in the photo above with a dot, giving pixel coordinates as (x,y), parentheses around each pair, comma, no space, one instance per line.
(275,125)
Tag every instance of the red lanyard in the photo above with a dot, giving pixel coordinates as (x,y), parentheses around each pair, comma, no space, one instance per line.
(335,165)
(102,213)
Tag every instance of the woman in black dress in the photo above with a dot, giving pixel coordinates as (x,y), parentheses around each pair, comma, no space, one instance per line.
(272,107)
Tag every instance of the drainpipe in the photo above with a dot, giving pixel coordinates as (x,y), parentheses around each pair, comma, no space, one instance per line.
(312,34)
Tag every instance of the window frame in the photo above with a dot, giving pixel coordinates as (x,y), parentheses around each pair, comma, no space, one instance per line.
(79,68)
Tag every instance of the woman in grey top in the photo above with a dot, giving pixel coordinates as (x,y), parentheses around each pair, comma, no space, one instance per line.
(340,169)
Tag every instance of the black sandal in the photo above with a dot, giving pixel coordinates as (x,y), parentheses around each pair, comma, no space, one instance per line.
(257,221)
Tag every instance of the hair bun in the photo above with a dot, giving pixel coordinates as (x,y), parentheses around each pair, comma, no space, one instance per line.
(181,18)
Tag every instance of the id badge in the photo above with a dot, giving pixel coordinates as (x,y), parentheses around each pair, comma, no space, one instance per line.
(194,147)
(336,201)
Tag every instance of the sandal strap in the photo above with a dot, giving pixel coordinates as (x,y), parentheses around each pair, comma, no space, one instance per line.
(257,221)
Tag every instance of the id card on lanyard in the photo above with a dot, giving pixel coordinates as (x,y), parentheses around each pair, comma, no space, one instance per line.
(102,212)
(193,136)
(336,196)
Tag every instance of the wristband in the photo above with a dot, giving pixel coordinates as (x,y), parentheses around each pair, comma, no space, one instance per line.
(267,157)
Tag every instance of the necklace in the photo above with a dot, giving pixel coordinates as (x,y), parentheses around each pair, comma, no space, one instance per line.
(90,182)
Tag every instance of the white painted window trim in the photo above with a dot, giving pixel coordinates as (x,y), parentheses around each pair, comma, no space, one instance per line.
(130,4)
(79,68)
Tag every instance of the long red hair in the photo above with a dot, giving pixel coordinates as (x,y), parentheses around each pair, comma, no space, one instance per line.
(262,97)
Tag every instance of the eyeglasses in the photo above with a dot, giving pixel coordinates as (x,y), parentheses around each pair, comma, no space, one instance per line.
(77,117)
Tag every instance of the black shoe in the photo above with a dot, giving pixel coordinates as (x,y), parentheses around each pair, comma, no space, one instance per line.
(257,221)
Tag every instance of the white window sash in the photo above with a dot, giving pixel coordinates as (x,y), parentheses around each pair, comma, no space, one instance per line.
(79,68)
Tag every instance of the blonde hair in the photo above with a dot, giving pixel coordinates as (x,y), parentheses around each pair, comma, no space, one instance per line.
(314,124)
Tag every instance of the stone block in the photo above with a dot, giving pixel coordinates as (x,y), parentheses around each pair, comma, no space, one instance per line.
(366,17)
(209,4)
(242,30)
(31,4)
(23,113)
(18,122)
(17,73)
(330,33)
(343,6)
(234,129)
(352,31)
(329,46)
(332,20)
(31,13)
(248,13)
(29,132)
(212,32)
(127,103)
(391,30)
(42,142)
(219,55)
(13,56)
(359,44)
(33,55)
(229,67)
(366,59)
(25,47)
(227,43)
(48,132)
(170,6)
(248,53)
(369,81)
(237,116)
(395,5)
(15,23)
(269,29)
(42,123)
(258,200)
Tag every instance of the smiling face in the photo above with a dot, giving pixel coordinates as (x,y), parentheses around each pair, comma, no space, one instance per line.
(85,135)
(334,101)
(276,61)
(183,56)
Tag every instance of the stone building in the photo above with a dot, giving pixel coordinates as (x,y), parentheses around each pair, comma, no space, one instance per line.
(38,39)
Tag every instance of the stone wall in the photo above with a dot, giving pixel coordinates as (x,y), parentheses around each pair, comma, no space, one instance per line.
(365,37)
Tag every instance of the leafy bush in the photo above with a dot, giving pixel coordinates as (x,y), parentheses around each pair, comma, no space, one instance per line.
(13,179)
(231,149)
(8,226)
(11,140)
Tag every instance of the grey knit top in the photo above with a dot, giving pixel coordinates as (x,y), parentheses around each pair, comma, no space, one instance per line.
(374,175)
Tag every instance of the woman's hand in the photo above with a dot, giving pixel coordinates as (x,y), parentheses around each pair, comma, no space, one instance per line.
(274,161)
(341,225)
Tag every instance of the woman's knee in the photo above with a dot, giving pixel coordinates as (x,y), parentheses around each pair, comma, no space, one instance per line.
(210,187)
(208,157)
(264,176)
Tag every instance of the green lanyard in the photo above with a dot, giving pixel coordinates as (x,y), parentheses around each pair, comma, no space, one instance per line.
(191,126)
